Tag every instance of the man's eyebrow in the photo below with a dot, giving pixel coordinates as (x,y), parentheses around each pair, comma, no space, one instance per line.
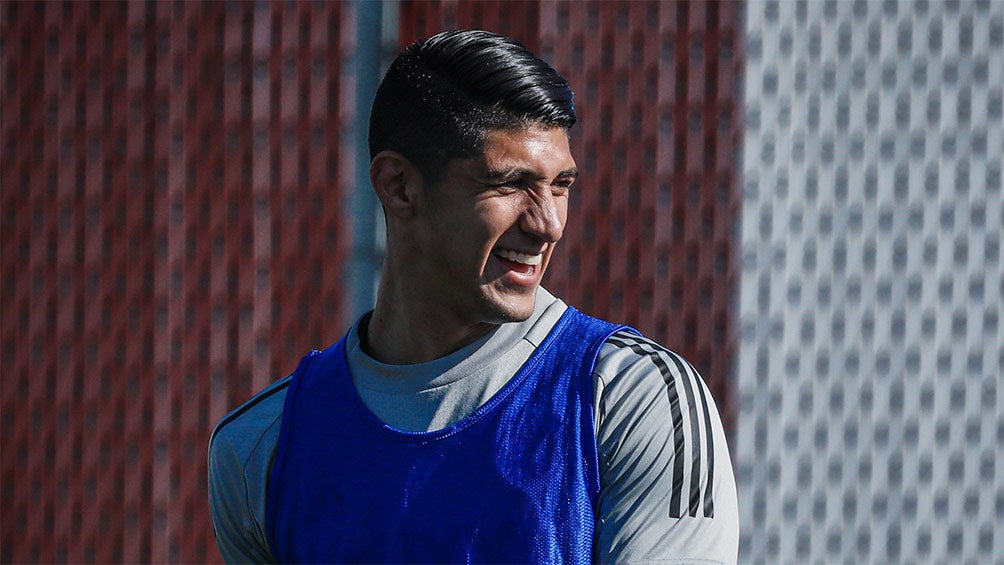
(518,173)
(569,174)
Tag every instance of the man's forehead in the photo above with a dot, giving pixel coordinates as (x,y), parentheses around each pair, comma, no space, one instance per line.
(532,151)
(533,143)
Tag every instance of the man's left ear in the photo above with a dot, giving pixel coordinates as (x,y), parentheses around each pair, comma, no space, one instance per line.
(397,182)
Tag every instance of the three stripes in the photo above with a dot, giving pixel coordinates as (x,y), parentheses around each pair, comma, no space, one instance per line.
(676,370)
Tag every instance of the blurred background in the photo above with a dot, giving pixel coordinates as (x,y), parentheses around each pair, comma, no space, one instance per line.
(803,198)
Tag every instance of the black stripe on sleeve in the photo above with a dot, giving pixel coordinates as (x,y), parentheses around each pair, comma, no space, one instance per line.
(686,372)
(675,511)
(695,430)
(709,503)
(278,386)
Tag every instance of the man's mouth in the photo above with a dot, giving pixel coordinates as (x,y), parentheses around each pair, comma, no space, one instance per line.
(518,257)
(524,263)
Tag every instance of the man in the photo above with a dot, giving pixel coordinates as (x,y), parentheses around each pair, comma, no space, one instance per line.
(472,416)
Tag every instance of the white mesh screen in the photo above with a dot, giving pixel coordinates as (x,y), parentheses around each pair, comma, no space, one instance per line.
(869,374)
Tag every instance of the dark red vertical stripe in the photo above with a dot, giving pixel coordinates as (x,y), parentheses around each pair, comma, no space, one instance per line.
(166,247)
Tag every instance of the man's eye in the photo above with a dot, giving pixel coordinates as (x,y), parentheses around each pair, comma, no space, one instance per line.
(510,186)
(561,187)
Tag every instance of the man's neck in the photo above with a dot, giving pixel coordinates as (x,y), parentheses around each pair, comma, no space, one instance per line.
(397,333)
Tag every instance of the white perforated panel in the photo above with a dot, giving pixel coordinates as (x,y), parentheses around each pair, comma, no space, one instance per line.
(870,369)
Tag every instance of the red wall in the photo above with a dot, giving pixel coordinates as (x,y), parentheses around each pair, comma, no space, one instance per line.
(172,228)
(167,170)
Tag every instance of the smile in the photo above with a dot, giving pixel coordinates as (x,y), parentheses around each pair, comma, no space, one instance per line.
(517,257)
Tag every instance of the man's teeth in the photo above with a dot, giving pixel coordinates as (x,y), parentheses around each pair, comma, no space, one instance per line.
(520,257)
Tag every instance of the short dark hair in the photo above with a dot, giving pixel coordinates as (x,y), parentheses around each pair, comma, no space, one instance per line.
(441,95)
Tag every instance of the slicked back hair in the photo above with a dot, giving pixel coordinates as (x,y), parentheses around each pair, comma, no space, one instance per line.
(442,95)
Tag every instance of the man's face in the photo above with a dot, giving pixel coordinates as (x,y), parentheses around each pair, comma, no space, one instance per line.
(487,229)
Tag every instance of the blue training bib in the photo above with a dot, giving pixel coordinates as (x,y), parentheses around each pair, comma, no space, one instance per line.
(516,481)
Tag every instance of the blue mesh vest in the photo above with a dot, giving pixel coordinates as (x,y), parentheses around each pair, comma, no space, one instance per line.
(515,482)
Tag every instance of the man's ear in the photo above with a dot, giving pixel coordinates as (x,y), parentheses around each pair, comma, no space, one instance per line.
(396,181)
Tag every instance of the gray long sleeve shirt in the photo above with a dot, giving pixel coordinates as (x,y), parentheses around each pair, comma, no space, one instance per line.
(667,490)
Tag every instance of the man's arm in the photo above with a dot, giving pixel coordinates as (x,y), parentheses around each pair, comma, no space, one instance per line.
(667,488)
(232,522)
(240,456)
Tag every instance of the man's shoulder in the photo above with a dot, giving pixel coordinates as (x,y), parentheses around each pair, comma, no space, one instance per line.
(626,347)
(243,429)
(668,490)
(633,366)
(240,450)
(630,341)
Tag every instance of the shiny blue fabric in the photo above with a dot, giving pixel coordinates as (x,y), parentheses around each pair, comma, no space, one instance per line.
(515,482)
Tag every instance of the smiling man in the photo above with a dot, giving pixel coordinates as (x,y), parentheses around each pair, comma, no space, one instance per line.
(472,416)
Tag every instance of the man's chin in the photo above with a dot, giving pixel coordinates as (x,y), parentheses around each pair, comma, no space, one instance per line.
(505,308)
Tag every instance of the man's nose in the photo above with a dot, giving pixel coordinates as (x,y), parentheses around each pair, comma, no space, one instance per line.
(545,218)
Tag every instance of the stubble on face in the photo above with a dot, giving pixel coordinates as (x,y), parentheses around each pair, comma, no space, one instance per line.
(503,212)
